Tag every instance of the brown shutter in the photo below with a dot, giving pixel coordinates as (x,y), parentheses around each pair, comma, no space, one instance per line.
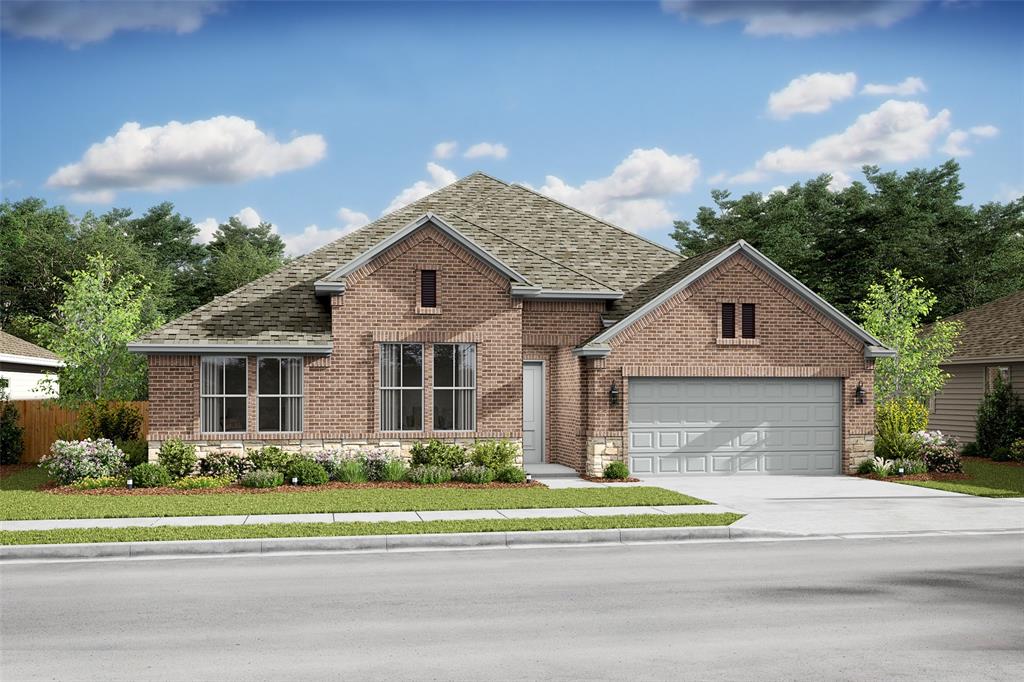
(728,320)
(748,321)
(428,288)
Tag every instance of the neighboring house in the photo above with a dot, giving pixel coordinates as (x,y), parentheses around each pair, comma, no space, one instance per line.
(486,310)
(991,344)
(25,366)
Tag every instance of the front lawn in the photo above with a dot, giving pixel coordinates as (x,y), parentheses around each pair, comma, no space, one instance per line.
(293,530)
(985,478)
(20,499)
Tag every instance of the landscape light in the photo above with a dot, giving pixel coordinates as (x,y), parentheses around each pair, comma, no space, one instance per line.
(129,484)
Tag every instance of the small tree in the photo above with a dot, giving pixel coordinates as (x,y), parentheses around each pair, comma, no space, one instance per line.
(892,312)
(1000,418)
(93,325)
(11,443)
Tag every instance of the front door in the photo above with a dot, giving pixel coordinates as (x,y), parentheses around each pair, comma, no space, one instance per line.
(533,412)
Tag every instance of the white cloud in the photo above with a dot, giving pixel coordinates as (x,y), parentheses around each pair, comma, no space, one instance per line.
(314,236)
(352,220)
(78,23)
(793,17)
(895,132)
(781,189)
(439,177)
(101,196)
(811,94)
(444,150)
(206,229)
(1008,192)
(718,178)
(635,194)
(222,149)
(956,142)
(984,131)
(908,86)
(840,181)
(249,217)
(484,149)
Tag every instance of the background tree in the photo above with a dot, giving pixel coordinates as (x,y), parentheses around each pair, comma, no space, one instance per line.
(239,254)
(99,315)
(893,313)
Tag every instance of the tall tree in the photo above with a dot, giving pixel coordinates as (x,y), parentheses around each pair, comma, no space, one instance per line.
(238,254)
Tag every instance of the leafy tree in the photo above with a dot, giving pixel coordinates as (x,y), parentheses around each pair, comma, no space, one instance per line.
(99,315)
(240,254)
(1000,418)
(893,313)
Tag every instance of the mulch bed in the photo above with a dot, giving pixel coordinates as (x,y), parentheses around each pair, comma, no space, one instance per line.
(234,489)
(602,479)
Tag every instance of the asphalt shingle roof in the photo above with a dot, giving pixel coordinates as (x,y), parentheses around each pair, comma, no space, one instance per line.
(12,345)
(993,330)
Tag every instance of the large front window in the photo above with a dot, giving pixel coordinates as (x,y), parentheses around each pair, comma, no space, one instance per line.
(222,394)
(455,387)
(279,385)
(401,387)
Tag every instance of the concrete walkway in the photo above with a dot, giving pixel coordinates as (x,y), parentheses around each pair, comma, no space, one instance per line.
(360,517)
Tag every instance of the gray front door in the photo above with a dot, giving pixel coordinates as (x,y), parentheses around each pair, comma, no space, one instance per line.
(734,426)
(533,412)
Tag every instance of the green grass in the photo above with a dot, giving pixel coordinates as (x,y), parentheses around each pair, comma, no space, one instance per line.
(986,479)
(294,530)
(19,499)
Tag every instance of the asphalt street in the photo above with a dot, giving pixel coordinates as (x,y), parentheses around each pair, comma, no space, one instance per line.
(930,608)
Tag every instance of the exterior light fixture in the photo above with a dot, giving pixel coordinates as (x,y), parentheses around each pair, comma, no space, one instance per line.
(129,482)
(859,393)
(295,480)
(613,395)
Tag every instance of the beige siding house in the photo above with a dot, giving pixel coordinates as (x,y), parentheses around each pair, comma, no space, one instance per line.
(992,343)
(26,367)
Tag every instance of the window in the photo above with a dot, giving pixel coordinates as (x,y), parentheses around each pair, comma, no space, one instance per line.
(748,326)
(428,288)
(222,394)
(455,387)
(990,376)
(401,387)
(279,389)
(728,320)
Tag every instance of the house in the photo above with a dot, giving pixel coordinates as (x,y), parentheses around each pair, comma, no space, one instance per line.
(26,367)
(486,310)
(991,344)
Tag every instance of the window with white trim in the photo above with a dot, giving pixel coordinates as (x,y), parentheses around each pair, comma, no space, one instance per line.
(279,394)
(455,387)
(401,387)
(223,383)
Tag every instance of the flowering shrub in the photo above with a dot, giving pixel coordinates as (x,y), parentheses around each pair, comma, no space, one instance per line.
(330,459)
(375,462)
(1017,450)
(97,483)
(941,453)
(71,461)
(224,465)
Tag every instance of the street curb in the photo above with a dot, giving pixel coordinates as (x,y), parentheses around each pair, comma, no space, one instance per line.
(373,543)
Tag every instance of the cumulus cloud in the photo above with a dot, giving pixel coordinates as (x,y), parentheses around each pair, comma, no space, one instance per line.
(352,220)
(811,94)
(794,18)
(635,195)
(984,131)
(223,149)
(206,229)
(906,87)
(78,23)
(439,177)
(956,141)
(896,132)
(314,236)
(494,150)
(444,150)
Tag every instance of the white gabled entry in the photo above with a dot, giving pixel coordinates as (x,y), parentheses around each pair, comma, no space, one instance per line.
(533,413)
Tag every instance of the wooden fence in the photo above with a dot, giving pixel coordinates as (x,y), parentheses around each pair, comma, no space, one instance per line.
(42,420)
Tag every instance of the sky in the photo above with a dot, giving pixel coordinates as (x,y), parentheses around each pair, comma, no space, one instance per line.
(318,117)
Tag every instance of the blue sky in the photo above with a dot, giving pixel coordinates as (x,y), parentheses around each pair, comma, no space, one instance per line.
(319,116)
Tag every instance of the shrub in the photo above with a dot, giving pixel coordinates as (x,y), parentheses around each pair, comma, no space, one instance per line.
(224,465)
(909,466)
(113,421)
(428,474)
(374,462)
(436,453)
(1017,450)
(12,443)
(71,461)
(271,458)
(880,467)
(395,470)
(1000,418)
(306,471)
(149,476)
(100,482)
(262,478)
(616,470)
(1001,453)
(178,458)
(941,454)
(866,466)
(494,454)
(350,471)
(195,482)
(905,415)
(136,451)
(471,473)
(510,475)
(970,450)
(897,445)
(330,459)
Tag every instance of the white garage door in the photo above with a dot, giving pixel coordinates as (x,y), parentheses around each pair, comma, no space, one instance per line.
(734,426)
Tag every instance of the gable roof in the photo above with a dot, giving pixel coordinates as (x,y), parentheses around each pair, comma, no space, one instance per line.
(664,287)
(993,331)
(14,349)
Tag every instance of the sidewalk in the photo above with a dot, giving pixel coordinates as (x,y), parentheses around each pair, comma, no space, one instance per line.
(361,517)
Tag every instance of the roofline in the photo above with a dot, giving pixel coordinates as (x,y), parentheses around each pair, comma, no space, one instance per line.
(592,350)
(226,348)
(401,234)
(879,349)
(16,359)
(979,360)
(322,288)
(536,292)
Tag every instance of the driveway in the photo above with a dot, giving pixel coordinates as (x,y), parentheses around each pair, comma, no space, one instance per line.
(845,504)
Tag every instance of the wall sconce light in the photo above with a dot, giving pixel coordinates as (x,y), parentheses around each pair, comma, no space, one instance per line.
(613,395)
(859,393)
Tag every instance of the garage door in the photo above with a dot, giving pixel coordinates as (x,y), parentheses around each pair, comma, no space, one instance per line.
(734,426)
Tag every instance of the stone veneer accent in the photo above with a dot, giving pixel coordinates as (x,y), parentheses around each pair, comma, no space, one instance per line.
(602,451)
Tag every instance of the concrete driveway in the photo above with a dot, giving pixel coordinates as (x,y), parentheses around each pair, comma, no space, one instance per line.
(845,504)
